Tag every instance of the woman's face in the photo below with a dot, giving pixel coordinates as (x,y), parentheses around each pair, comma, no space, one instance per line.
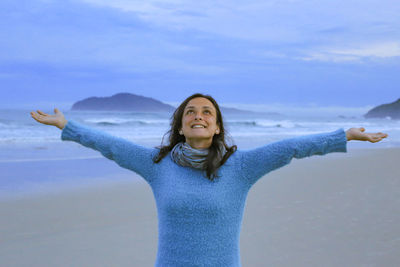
(199,123)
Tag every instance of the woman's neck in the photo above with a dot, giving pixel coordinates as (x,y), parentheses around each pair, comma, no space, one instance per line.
(199,144)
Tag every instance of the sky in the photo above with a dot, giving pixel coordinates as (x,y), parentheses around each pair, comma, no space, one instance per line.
(289,52)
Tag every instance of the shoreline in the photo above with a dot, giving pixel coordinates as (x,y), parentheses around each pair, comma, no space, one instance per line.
(92,170)
(10,153)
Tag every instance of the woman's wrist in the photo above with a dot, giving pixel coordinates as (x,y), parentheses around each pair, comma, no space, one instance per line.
(62,124)
(349,135)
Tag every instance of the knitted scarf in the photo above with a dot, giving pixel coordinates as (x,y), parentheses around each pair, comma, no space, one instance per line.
(183,154)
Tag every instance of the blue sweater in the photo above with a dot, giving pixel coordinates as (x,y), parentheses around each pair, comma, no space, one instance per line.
(199,220)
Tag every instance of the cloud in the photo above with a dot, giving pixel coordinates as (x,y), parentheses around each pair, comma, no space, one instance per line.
(165,34)
(252,48)
(288,29)
(382,50)
(74,33)
(356,53)
(254,20)
(263,20)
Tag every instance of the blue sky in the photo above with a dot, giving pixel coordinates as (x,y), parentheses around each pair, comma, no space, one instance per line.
(339,53)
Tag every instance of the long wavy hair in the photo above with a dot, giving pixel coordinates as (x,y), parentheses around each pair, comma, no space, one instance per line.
(212,162)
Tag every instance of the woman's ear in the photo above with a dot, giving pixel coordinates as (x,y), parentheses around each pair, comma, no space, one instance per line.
(180,132)
(218,129)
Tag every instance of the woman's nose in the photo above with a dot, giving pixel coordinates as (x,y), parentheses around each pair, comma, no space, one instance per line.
(198,116)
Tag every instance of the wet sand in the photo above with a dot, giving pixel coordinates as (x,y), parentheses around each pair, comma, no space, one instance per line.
(335,210)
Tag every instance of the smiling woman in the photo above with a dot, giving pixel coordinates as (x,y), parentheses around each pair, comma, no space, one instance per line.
(199,219)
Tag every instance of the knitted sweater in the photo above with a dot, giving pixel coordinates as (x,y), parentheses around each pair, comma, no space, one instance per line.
(199,220)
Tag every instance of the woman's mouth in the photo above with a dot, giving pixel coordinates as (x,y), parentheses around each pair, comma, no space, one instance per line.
(198,126)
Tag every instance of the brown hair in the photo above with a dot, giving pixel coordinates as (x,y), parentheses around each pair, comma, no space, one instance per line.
(212,163)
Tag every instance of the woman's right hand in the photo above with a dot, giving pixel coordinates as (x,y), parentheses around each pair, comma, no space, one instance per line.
(57,119)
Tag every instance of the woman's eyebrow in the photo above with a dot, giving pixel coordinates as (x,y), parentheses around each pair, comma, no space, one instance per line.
(208,107)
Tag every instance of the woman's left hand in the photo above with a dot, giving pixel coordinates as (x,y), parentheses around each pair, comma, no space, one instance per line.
(359,134)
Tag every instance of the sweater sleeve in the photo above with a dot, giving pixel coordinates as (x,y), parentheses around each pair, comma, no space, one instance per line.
(125,153)
(257,162)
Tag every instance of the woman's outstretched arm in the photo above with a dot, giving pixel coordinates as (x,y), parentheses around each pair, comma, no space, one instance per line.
(258,162)
(125,153)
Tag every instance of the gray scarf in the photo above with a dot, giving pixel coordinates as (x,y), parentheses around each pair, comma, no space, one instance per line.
(183,154)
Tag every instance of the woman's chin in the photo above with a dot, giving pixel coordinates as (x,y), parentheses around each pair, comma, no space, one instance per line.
(199,137)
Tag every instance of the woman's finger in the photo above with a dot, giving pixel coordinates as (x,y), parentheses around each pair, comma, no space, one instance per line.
(36,118)
(374,139)
(41,113)
(381,135)
(39,118)
(378,137)
(35,115)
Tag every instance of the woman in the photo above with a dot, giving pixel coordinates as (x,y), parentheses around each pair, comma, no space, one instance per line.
(199,183)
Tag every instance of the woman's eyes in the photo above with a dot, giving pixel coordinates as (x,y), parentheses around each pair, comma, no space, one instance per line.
(205,111)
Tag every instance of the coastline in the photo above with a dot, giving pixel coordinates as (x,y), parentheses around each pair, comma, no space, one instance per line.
(29,170)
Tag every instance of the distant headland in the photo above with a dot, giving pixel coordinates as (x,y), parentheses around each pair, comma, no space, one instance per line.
(391,110)
(122,102)
(137,103)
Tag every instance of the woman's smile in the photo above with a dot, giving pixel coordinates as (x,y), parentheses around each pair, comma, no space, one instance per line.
(198,126)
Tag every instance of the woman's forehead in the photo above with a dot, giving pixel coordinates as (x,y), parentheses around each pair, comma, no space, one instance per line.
(200,102)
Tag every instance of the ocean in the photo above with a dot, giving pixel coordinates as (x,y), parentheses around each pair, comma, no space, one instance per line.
(33,158)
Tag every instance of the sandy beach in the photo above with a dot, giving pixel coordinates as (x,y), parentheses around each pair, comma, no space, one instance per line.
(342,209)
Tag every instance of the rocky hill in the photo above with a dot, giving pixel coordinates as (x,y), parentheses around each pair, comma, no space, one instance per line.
(123,102)
(391,110)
